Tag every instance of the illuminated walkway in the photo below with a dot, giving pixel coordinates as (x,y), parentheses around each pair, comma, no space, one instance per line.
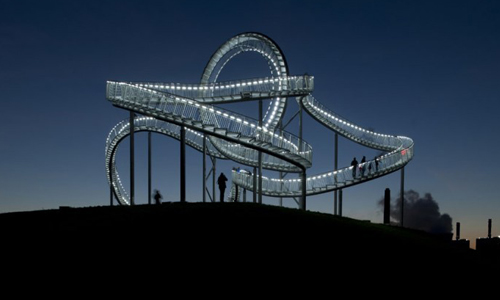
(168,108)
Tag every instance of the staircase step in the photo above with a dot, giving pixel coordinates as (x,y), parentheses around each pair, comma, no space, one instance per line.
(187,121)
(233,134)
(245,139)
(220,130)
(197,123)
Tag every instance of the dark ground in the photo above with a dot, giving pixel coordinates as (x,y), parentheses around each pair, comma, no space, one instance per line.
(244,236)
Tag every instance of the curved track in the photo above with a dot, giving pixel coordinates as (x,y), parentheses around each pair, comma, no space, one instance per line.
(165,107)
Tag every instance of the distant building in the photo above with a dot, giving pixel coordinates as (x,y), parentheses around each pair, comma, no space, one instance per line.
(458,242)
(461,244)
(488,245)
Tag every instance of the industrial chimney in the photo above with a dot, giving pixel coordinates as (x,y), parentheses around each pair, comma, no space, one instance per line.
(458,231)
(489,228)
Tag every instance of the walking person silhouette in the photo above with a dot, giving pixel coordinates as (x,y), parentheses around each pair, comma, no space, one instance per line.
(157,197)
(354,165)
(362,167)
(222,185)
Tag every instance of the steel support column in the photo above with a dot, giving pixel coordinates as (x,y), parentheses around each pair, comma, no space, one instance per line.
(260,152)
(254,196)
(281,187)
(302,204)
(149,168)
(336,161)
(402,194)
(183,164)
(132,146)
(340,203)
(204,167)
(111,194)
(214,173)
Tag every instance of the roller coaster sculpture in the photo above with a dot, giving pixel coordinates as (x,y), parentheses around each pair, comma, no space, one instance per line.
(189,112)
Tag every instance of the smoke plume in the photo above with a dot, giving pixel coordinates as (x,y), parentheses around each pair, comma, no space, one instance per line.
(420,213)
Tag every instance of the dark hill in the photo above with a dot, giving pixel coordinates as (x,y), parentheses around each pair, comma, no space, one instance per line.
(230,231)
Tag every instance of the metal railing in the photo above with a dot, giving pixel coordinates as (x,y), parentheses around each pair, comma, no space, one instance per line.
(246,89)
(208,116)
(171,105)
(348,129)
(141,123)
(330,181)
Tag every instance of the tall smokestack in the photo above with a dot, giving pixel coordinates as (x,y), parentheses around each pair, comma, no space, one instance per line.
(489,228)
(458,231)
(387,206)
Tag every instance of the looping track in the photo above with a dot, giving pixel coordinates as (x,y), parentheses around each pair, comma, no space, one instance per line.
(166,107)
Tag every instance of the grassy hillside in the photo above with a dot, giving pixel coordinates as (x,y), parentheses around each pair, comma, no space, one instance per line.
(231,231)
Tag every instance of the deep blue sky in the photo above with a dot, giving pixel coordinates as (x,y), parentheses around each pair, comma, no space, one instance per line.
(425,69)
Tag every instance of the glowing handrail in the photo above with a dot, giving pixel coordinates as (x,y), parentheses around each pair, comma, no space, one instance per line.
(184,108)
(168,106)
(230,91)
(329,181)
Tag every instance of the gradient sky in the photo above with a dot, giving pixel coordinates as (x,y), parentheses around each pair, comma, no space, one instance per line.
(424,69)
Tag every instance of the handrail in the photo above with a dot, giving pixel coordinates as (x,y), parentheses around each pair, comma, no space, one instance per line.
(184,108)
(348,129)
(332,180)
(167,106)
(230,91)
(122,130)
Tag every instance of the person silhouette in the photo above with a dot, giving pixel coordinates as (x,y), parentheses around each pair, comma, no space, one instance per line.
(221,181)
(354,164)
(157,197)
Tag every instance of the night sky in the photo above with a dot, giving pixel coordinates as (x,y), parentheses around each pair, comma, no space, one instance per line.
(428,70)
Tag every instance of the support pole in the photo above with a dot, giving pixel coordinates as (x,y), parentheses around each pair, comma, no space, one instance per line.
(149,168)
(260,152)
(300,126)
(254,185)
(183,164)
(303,183)
(132,170)
(402,195)
(340,203)
(336,160)
(111,194)
(204,168)
(214,173)
(281,187)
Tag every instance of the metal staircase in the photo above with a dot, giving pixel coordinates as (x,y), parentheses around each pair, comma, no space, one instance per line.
(166,107)
(235,137)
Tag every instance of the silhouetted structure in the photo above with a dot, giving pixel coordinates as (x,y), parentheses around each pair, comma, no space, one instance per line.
(460,243)
(221,181)
(236,193)
(489,246)
(387,206)
(174,109)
